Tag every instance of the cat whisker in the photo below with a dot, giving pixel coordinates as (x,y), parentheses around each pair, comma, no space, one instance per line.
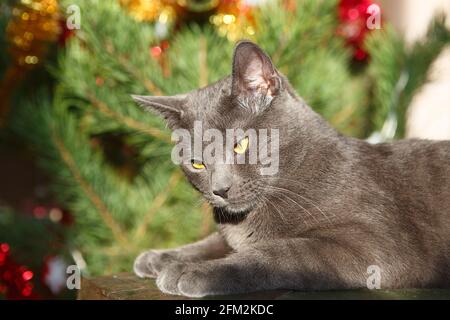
(279,212)
(282,216)
(313,203)
(281,190)
(326,216)
(299,195)
(296,203)
(305,221)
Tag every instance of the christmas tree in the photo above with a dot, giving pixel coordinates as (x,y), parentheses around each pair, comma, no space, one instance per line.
(110,161)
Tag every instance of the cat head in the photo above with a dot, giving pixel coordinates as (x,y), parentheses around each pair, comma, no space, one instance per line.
(246,109)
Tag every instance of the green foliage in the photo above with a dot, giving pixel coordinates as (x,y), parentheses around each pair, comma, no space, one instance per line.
(120,211)
(393,62)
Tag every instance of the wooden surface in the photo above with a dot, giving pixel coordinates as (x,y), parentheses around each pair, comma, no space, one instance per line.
(126,286)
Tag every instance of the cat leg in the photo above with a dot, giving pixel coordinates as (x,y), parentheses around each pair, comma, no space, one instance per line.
(150,263)
(282,264)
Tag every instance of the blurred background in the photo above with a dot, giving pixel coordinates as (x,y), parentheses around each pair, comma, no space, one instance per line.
(86,176)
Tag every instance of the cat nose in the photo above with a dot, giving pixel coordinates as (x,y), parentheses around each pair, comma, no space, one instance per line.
(222,192)
(221,180)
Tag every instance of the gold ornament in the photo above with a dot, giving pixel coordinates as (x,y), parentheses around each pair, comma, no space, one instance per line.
(234,20)
(149,10)
(33,26)
(198,5)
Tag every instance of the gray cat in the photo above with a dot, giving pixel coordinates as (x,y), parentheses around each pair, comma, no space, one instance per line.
(338,214)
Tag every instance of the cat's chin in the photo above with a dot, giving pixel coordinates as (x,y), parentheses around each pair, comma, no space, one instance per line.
(237,209)
(223,215)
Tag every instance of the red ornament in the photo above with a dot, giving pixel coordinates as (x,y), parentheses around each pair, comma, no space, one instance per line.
(15,280)
(4,247)
(27,275)
(40,212)
(353,18)
(99,81)
(156,51)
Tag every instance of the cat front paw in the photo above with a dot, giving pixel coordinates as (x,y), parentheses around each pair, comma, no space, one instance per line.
(196,283)
(150,263)
(167,280)
(187,279)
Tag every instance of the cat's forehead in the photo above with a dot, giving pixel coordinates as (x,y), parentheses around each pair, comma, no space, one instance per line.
(206,99)
(213,106)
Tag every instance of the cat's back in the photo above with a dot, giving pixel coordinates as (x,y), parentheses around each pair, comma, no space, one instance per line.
(410,162)
(421,163)
(417,173)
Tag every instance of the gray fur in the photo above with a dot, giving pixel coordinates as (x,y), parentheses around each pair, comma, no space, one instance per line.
(336,206)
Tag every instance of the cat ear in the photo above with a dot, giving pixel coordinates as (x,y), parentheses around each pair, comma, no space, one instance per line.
(170,107)
(253,72)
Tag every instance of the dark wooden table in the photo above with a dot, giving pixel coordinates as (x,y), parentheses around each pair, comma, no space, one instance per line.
(126,286)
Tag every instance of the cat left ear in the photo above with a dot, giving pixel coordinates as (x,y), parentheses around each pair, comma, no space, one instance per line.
(253,71)
(170,107)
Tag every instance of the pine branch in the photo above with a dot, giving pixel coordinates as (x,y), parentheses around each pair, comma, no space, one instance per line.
(158,202)
(105,214)
(127,121)
(149,85)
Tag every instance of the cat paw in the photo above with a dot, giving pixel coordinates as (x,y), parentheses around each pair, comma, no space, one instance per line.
(167,280)
(195,283)
(150,263)
(187,279)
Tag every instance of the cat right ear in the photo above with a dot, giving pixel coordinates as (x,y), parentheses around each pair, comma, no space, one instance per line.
(253,72)
(169,107)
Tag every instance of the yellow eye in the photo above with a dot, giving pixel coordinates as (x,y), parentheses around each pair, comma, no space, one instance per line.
(197,165)
(242,146)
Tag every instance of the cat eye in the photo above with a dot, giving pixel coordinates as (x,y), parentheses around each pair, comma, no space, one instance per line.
(241,146)
(197,165)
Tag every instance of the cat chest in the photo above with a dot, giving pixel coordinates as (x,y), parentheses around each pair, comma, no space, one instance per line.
(241,234)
